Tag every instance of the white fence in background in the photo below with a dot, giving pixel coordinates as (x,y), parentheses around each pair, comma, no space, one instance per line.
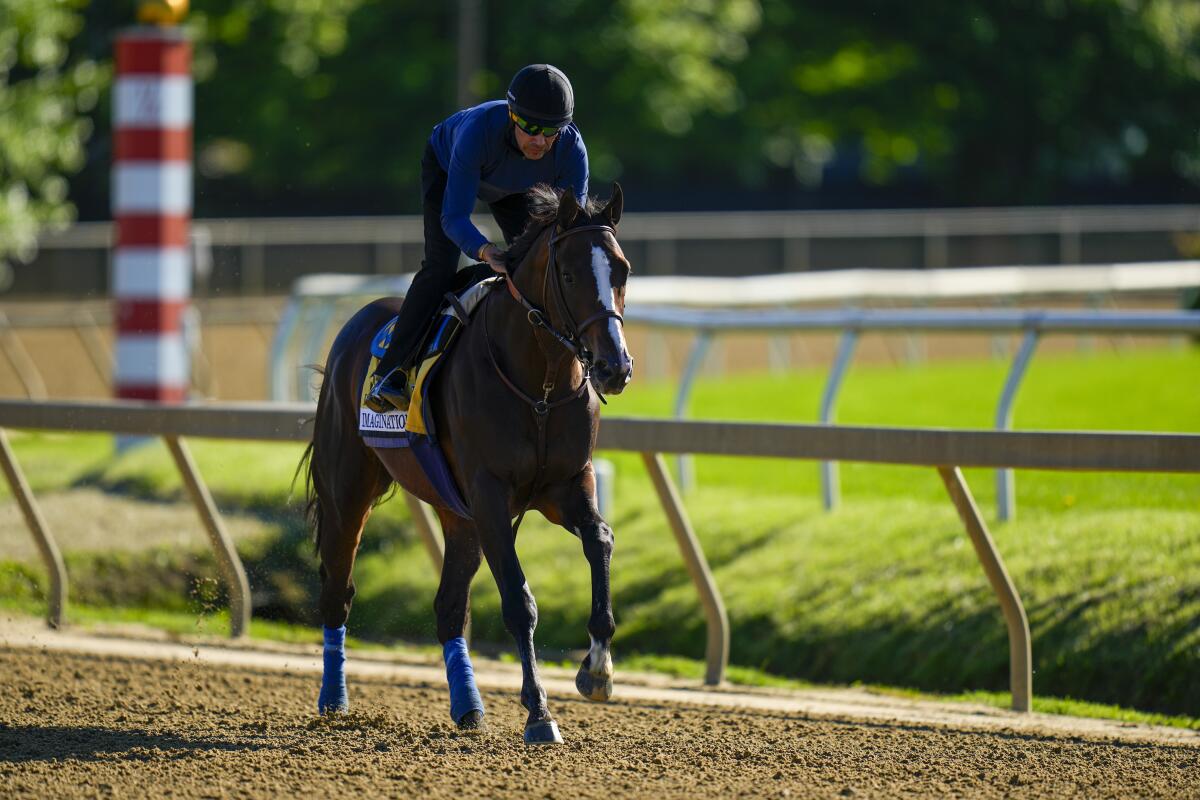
(929,285)
(712,306)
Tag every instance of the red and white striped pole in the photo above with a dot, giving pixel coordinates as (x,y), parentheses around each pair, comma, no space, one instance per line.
(152,207)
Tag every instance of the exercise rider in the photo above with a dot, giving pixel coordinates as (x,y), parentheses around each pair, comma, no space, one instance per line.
(495,152)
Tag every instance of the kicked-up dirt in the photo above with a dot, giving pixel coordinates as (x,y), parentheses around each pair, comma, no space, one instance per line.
(100,725)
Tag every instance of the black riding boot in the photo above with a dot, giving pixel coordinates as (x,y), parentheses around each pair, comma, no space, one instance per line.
(391,388)
(395,374)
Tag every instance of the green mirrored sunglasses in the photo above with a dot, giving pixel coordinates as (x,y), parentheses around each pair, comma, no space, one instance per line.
(534,130)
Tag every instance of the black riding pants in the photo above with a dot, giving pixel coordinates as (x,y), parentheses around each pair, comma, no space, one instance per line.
(438,271)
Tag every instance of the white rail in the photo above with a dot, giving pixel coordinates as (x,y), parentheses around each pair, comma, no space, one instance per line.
(857,285)
(846,286)
(709,306)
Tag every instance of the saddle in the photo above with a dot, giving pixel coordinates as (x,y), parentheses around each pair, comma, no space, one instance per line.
(414,428)
(440,335)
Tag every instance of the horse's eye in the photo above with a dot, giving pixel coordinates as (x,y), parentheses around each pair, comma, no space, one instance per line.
(568,279)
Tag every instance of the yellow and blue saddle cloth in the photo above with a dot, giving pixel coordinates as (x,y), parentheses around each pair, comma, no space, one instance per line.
(415,427)
(392,424)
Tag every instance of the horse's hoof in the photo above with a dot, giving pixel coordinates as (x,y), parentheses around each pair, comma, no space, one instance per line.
(471,721)
(336,705)
(545,732)
(593,687)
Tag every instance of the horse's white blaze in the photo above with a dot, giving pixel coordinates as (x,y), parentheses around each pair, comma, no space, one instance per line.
(603,272)
(602,269)
(599,659)
(617,333)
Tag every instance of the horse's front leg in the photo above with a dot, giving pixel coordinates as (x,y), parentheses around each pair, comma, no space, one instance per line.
(490,507)
(574,507)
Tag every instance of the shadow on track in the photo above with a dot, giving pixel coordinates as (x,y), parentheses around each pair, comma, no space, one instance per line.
(44,743)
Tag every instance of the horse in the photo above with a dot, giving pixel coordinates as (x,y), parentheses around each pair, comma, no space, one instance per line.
(516,408)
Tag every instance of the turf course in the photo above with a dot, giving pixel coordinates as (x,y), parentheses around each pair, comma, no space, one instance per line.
(885,590)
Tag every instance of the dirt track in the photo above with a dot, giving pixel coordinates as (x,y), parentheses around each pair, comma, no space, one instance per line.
(100,725)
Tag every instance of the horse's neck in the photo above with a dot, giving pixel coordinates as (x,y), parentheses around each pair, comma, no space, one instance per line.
(523,351)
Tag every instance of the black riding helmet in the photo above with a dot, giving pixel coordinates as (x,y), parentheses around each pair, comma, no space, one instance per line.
(542,95)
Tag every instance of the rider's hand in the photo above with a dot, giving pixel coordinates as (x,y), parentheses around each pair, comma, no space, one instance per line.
(494,257)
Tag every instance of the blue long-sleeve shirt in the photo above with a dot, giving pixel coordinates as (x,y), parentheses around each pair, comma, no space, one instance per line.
(481,161)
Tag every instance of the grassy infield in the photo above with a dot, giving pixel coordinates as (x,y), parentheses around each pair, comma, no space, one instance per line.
(886,590)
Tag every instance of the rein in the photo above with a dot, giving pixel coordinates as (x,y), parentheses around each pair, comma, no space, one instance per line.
(571,341)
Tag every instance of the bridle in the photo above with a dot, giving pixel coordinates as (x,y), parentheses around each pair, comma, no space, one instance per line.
(571,340)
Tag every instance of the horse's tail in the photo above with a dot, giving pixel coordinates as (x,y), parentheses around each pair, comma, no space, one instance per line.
(315,461)
(336,464)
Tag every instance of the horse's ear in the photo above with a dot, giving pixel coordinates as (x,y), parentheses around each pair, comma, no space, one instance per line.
(615,204)
(568,209)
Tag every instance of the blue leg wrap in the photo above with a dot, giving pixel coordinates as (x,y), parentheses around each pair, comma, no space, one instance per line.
(464,694)
(333,695)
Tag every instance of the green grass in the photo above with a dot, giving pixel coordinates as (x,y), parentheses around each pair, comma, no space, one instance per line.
(885,590)
(1146,391)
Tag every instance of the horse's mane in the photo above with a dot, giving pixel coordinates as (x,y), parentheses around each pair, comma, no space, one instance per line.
(543,210)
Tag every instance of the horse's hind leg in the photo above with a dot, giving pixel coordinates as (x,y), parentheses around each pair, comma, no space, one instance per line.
(574,507)
(452,606)
(346,498)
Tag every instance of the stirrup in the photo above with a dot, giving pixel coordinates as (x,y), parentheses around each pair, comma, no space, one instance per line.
(391,392)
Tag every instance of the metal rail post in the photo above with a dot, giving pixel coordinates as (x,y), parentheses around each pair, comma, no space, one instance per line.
(88,331)
(830,491)
(425,522)
(1006,493)
(304,325)
(427,525)
(22,363)
(51,556)
(310,352)
(687,476)
(277,371)
(1020,651)
(228,561)
(717,650)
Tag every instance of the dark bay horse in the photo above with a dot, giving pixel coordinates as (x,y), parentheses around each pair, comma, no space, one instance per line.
(517,412)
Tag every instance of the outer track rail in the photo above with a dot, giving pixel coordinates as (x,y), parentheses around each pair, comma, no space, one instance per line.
(944,449)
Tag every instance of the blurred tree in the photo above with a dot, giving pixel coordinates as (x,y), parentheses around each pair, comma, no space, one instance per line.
(44,101)
(992,102)
(346,129)
(322,106)
(275,104)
